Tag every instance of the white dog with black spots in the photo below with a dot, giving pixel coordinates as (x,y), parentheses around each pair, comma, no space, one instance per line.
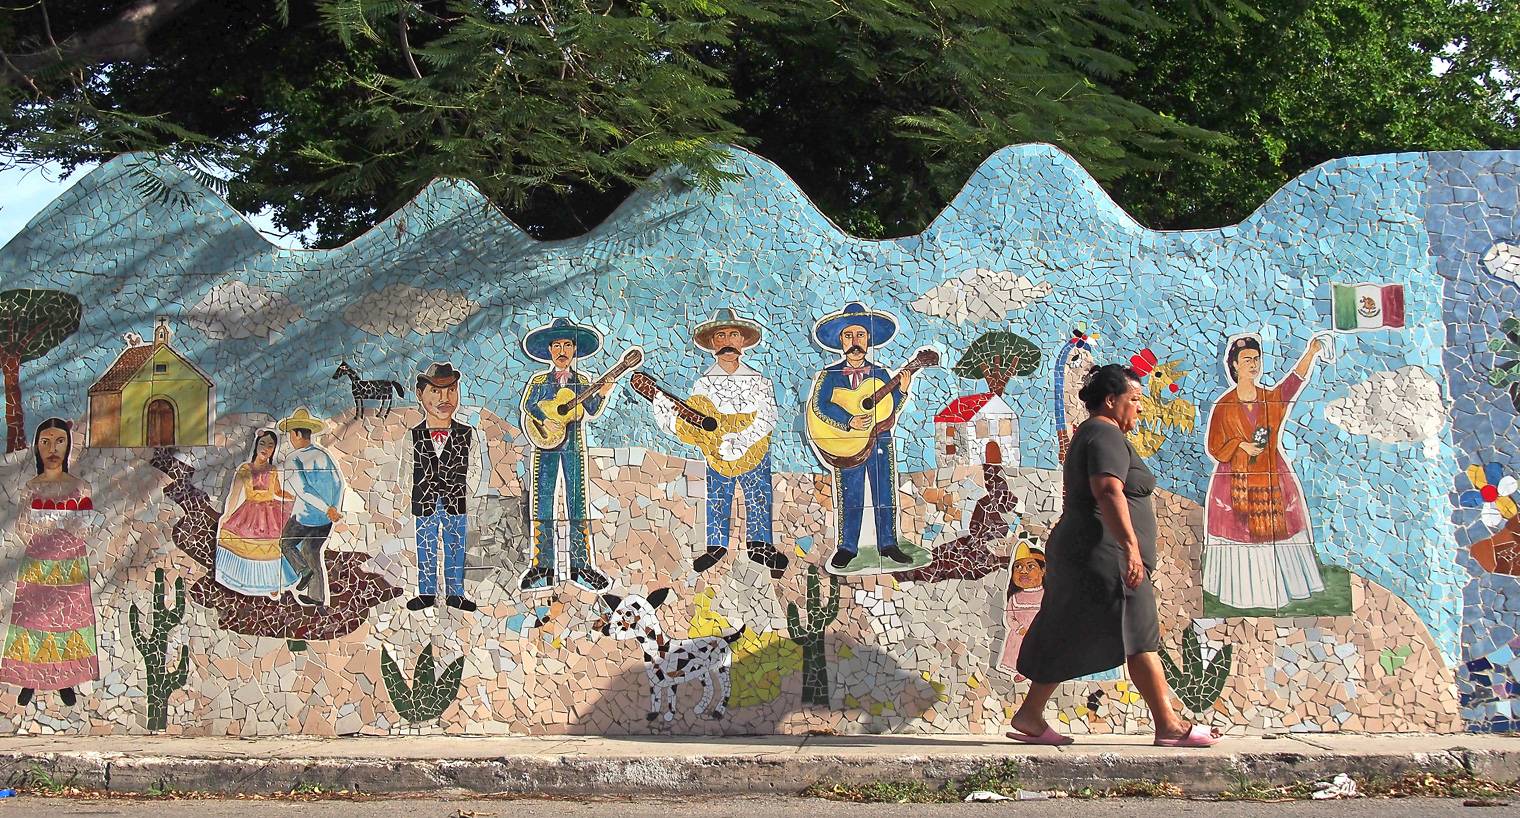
(670,663)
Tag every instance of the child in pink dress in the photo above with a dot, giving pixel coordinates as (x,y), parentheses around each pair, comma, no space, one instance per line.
(1026,589)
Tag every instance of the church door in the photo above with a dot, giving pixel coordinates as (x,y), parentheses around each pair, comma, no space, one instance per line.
(160,423)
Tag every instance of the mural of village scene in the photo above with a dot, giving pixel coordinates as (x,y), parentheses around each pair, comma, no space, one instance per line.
(720,468)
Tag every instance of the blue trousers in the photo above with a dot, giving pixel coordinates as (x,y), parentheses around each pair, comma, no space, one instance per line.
(881,469)
(450,529)
(546,467)
(756,486)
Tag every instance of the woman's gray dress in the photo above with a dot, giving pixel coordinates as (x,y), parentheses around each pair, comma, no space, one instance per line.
(1089,620)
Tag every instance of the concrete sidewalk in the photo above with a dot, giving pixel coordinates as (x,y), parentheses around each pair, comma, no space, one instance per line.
(582,766)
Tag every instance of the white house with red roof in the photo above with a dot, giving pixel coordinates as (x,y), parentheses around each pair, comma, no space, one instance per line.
(963,430)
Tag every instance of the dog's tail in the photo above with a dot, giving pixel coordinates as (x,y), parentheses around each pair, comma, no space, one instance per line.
(736,635)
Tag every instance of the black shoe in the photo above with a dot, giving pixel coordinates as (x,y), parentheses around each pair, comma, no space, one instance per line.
(714,555)
(68,697)
(304,581)
(536,579)
(767,555)
(896,555)
(309,602)
(25,696)
(590,579)
(841,560)
(459,602)
(420,602)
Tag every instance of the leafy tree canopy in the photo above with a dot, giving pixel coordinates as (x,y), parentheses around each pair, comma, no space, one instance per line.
(32,322)
(334,112)
(997,356)
(1294,83)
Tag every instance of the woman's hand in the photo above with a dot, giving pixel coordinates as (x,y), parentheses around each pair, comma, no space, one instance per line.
(1134,569)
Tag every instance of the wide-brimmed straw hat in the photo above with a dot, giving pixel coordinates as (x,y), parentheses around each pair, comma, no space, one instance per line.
(880,325)
(725,318)
(536,343)
(302,419)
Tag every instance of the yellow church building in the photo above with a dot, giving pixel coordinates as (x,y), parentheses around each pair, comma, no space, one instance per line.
(151,396)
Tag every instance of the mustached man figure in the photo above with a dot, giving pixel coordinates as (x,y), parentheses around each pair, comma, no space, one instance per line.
(561,344)
(445,461)
(852,332)
(742,459)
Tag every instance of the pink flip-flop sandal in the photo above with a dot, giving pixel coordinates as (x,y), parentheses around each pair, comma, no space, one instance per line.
(1050,737)
(1197,736)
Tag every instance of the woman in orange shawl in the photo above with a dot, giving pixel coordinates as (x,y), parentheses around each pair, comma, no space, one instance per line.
(1258,550)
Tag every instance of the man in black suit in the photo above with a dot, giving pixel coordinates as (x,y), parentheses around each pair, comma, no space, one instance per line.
(446,462)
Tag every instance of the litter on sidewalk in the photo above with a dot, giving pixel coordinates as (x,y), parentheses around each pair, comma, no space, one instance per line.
(1340,787)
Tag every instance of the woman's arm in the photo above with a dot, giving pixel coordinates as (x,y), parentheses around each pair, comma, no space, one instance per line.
(235,493)
(1305,363)
(274,486)
(1109,492)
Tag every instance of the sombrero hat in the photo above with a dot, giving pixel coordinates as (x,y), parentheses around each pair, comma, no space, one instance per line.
(725,318)
(536,343)
(302,419)
(880,325)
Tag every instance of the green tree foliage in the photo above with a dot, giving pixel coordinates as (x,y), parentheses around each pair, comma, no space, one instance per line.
(997,356)
(334,112)
(32,322)
(1294,83)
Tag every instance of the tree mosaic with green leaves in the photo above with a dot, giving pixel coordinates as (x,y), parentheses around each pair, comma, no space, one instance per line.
(32,323)
(996,357)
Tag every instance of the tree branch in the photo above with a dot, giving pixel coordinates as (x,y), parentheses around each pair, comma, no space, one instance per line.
(406,45)
(123,38)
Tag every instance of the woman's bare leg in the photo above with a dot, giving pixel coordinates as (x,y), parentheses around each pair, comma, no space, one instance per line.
(1030,717)
(1145,671)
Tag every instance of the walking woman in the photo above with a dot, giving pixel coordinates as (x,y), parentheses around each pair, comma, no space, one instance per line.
(1099,609)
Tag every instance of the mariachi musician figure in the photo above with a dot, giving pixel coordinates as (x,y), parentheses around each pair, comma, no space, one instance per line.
(729,416)
(850,414)
(559,447)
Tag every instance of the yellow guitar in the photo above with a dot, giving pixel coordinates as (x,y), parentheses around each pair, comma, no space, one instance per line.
(566,406)
(848,448)
(703,426)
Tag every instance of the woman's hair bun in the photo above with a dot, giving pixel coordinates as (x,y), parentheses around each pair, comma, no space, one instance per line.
(1106,380)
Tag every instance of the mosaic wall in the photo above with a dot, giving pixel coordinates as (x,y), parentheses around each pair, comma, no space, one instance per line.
(716,467)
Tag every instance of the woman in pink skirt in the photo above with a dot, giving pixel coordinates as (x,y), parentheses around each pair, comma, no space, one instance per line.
(248,558)
(51,641)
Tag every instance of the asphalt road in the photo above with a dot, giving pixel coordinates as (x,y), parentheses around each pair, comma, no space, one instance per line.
(748,807)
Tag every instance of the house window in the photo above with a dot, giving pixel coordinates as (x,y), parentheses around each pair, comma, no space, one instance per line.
(1005,427)
(951,449)
(159,369)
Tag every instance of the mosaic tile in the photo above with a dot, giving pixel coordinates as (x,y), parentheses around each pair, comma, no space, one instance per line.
(717,468)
